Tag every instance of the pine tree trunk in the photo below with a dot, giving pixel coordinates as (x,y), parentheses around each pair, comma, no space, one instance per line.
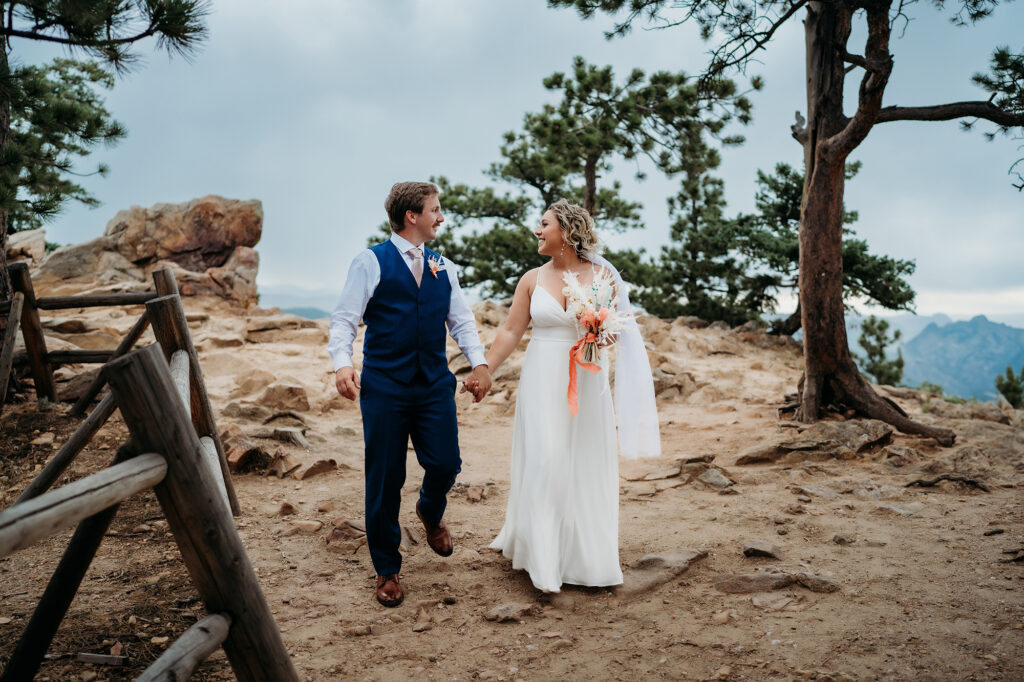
(5,134)
(830,375)
(590,178)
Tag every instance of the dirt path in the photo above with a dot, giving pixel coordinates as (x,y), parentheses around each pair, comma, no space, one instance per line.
(923,593)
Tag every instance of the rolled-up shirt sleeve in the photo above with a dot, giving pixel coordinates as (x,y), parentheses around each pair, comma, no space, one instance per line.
(362,280)
(461,323)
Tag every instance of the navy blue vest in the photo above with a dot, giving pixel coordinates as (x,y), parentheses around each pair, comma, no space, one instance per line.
(405,324)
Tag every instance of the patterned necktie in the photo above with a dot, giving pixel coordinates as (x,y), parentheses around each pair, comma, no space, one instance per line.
(417,263)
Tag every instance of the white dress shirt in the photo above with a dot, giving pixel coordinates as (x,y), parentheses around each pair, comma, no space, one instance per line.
(362,281)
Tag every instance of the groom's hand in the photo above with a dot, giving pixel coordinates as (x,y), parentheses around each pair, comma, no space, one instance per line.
(347,382)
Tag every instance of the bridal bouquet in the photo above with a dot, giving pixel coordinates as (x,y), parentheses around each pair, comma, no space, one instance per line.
(596,309)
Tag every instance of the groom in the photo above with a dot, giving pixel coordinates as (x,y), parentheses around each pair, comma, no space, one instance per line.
(406,295)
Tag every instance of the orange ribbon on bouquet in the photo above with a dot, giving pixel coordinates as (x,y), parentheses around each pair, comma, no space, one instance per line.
(576,356)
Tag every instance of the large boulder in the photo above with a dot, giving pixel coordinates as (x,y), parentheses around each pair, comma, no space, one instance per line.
(207,242)
(27,245)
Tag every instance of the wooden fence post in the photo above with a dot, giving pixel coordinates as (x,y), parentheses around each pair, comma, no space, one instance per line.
(210,546)
(10,338)
(32,330)
(171,330)
(166,284)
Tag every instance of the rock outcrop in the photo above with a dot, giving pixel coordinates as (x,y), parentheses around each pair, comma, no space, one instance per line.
(29,245)
(207,242)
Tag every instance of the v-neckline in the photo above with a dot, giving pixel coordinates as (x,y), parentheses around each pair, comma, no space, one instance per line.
(553,300)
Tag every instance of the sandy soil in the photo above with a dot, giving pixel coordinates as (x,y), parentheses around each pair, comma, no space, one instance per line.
(925,591)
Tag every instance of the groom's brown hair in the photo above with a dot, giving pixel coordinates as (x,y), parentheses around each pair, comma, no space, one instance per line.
(407,196)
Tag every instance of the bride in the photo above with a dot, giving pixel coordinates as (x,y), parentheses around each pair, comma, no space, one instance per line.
(561,523)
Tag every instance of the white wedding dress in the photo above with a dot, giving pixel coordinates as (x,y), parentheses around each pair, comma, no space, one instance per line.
(562,519)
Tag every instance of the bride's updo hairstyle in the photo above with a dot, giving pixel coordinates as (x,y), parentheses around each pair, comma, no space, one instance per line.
(577,226)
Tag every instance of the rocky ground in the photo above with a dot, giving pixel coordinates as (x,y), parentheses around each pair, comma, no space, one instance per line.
(755,548)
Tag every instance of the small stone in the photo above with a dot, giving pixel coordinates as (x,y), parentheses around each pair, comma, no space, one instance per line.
(842,539)
(326,506)
(994,531)
(475,493)
(318,467)
(142,528)
(760,548)
(508,612)
(713,478)
(359,631)
(159,640)
(45,439)
(720,618)
(900,509)
(422,627)
(803,498)
(781,531)
(752,582)
(303,526)
(286,509)
(724,672)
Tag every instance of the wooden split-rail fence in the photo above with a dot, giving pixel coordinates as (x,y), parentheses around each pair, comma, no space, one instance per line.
(160,392)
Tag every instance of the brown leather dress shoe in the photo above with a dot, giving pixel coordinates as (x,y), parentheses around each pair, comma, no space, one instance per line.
(437,536)
(389,590)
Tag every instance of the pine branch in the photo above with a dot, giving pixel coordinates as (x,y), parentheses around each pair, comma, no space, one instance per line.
(10,32)
(953,110)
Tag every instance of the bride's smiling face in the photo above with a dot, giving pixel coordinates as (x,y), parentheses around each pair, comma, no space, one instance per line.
(549,235)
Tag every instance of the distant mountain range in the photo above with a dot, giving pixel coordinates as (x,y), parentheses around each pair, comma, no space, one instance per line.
(962,357)
(312,304)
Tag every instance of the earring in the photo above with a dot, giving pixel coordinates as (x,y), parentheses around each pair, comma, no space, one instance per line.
(561,250)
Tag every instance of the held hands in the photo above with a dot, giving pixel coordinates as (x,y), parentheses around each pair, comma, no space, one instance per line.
(478,383)
(347,382)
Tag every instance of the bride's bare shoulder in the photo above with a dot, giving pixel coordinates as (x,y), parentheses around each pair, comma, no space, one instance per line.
(529,280)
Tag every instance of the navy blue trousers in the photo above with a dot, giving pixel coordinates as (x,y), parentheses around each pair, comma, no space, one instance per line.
(393,413)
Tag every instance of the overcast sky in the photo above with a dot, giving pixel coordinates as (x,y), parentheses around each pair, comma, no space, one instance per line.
(317,107)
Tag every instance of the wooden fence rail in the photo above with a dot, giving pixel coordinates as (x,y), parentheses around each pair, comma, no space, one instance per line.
(41,517)
(186,485)
(94,300)
(189,650)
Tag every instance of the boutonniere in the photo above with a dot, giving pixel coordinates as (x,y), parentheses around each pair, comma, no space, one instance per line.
(436,265)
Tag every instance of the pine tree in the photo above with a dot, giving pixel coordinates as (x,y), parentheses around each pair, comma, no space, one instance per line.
(105,30)
(875,339)
(1012,387)
(831,131)
(566,150)
(56,116)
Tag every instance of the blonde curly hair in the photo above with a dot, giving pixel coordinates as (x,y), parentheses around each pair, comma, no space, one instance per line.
(577,226)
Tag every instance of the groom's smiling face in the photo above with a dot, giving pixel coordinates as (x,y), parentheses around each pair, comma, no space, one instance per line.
(423,226)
